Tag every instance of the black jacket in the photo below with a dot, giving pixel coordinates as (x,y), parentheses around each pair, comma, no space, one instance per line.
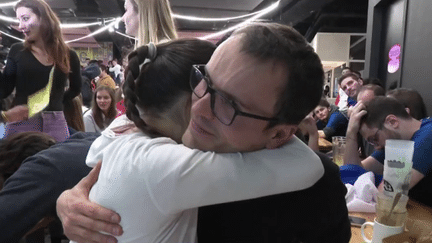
(317,214)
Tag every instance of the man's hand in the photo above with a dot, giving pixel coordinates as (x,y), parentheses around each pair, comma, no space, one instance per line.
(351,155)
(83,220)
(354,122)
(18,113)
(308,126)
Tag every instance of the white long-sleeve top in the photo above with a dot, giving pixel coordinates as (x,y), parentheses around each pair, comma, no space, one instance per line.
(156,185)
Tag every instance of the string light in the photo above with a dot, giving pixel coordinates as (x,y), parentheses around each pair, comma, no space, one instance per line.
(267,10)
(63,26)
(127,36)
(193,18)
(115,22)
(97,31)
(8,19)
(8,4)
(84,25)
(11,36)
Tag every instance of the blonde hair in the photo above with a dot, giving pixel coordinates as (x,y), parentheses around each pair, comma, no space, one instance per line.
(155,21)
(51,32)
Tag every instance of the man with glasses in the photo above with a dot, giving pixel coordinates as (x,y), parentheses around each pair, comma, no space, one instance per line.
(250,96)
(385,118)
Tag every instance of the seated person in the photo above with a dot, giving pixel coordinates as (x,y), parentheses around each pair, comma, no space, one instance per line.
(367,92)
(88,74)
(105,78)
(103,110)
(308,132)
(385,118)
(331,122)
(412,101)
(30,194)
(16,148)
(351,83)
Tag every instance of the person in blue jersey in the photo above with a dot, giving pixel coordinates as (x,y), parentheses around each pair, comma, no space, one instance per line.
(331,122)
(385,118)
(351,83)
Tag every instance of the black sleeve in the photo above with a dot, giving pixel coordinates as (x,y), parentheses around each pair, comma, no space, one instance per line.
(8,77)
(30,194)
(74,78)
(314,215)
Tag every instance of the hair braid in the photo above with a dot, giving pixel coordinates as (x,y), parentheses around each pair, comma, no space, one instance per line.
(136,58)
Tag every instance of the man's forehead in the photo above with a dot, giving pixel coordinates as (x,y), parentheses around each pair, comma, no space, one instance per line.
(348,79)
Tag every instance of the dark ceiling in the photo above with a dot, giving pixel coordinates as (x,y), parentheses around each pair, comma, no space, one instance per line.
(307,16)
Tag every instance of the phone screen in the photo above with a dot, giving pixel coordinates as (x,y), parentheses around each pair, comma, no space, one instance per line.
(356,221)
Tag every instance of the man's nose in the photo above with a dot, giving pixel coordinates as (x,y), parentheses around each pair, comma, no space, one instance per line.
(21,26)
(202,107)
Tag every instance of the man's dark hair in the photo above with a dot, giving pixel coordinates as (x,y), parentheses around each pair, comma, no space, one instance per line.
(304,85)
(93,61)
(375,81)
(378,90)
(16,148)
(104,68)
(349,75)
(379,108)
(412,100)
(324,102)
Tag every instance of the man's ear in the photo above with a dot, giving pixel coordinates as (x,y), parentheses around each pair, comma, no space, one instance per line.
(280,135)
(392,121)
(360,81)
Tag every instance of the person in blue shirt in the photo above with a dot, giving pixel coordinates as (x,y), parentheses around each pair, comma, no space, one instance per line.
(351,83)
(385,118)
(331,122)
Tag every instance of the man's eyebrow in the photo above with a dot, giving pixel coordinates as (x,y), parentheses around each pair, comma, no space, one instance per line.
(226,95)
(231,98)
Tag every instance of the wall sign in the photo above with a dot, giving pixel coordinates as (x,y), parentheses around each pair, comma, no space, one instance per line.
(394,58)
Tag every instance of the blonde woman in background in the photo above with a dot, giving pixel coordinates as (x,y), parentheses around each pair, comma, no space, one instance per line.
(149,21)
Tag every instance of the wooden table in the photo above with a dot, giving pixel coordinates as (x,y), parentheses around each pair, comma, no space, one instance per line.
(419,216)
(324,145)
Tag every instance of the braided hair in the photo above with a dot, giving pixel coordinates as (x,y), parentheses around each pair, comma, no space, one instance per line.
(155,81)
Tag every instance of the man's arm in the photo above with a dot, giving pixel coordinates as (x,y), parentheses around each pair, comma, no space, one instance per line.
(83,220)
(351,155)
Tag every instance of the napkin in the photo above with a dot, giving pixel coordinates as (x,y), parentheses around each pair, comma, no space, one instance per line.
(361,196)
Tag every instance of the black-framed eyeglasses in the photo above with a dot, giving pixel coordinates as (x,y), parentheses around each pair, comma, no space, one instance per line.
(223,109)
(374,140)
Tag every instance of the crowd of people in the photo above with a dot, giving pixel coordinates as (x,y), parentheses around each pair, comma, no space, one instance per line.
(209,147)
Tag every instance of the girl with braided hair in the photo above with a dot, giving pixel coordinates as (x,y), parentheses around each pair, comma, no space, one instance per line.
(156,184)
